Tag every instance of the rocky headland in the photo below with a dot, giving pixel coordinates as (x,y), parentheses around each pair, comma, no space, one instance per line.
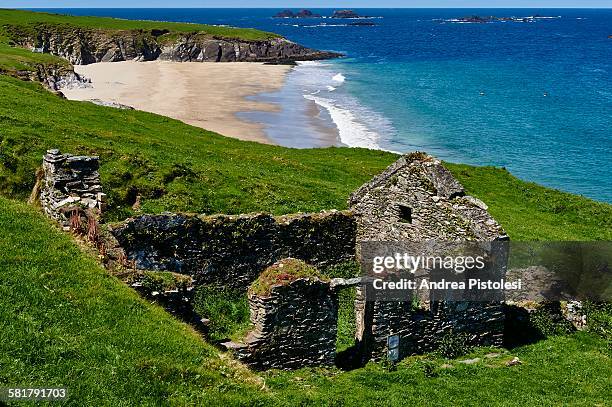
(82,46)
(347,14)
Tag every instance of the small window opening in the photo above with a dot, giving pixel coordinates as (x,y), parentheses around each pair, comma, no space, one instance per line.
(405,214)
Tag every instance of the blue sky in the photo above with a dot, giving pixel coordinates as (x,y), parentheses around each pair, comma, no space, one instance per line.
(305,3)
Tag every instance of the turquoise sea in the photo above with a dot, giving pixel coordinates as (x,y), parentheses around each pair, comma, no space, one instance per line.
(534,96)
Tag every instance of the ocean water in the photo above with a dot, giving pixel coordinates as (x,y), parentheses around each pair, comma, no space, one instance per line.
(534,97)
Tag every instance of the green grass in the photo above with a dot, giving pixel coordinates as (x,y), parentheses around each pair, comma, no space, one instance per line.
(283,273)
(18,59)
(529,211)
(26,19)
(227,310)
(570,370)
(65,322)
(176,167)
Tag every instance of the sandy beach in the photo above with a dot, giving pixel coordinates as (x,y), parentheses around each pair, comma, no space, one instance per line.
(206,95)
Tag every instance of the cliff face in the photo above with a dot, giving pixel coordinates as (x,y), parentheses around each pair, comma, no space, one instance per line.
(85,46)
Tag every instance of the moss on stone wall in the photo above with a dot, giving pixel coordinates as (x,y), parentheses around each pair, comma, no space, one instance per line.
(284,272)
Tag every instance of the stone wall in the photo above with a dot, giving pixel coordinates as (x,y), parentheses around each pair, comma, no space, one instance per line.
(234,250)
(420,330)
(295,326)
(69,182)
(295,323)
(418,199)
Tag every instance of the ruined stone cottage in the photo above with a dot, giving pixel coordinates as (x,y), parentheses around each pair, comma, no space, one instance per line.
(414,199)
(418,199)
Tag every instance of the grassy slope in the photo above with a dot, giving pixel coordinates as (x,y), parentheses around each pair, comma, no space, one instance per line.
(19,59)
(205,172)
(529,211)
(63,321)
(28,18)
(201,172)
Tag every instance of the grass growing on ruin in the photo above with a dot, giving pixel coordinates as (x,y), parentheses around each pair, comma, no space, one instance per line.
(227,310)
(176,167)
(65,322)
(282,273)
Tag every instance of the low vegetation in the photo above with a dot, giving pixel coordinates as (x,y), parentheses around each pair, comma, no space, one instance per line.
(226,309)
(206,173)
(65,322)
(281,273)
(25,19)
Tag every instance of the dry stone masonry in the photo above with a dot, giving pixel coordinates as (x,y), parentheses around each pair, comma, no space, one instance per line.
(70,182)
(295,322)
(234,250)
(417,199)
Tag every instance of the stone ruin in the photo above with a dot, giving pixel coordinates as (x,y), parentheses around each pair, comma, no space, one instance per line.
(294,321)
(70,182)
(295,324)
(417,199)
(234,250)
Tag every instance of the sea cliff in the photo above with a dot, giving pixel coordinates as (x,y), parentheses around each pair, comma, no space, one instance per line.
(81,46)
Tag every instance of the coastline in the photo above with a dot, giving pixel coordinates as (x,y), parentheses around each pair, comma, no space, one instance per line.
(205,95)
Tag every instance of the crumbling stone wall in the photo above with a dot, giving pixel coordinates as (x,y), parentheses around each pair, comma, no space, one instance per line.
(420,330)
(70,182)
(417,199)
(294,326)
(234,250)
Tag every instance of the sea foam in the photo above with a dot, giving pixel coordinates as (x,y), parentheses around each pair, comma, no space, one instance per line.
(352,133)
(339,78)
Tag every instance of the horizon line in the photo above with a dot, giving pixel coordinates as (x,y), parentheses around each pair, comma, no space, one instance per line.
(315,8)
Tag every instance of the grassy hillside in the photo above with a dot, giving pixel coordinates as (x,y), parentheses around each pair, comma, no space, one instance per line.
(176,167)
(29,18)
(65,322)
(18,59)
